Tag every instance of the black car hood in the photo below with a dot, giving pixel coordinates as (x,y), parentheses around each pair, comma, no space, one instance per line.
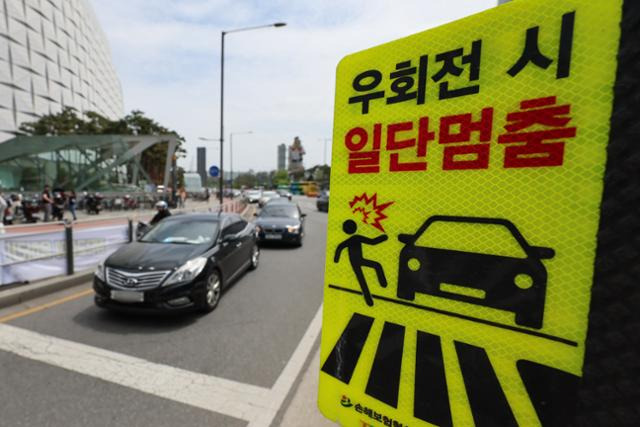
(160,256)
(278,221)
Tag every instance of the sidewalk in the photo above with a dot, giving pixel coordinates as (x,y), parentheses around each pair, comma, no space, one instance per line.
(303,409)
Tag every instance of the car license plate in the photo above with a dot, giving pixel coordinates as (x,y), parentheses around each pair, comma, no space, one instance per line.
(127,296)
(273,236)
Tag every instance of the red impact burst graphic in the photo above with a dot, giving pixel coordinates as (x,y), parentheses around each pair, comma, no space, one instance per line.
(370,209)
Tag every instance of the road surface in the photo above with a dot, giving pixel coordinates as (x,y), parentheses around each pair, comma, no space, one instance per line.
(65,362)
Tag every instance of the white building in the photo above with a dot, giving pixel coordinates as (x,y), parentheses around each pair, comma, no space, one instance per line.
(53,54)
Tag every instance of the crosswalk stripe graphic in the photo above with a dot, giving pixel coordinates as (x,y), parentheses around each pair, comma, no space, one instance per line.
(487,400)
(431,398)
(384,379)
(345,354)
(551,392)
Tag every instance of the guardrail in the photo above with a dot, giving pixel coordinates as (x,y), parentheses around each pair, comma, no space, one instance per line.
(56,248)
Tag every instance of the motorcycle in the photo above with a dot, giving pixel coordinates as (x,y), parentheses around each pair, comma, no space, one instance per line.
(130,202)
(93,203)
(142,229)
(30,209)
(57,209)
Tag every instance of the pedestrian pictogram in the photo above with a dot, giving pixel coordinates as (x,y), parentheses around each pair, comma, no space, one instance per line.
(353,245)
(466,182)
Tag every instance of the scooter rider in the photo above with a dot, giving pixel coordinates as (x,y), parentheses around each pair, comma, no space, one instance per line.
(163,212)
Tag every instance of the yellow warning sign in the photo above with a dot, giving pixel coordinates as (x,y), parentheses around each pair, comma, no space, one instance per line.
(466,181)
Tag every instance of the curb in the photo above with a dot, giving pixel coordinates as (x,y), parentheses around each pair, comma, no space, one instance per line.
(26,292)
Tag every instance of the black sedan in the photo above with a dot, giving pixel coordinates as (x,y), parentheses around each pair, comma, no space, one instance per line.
(281,222)
(182,263)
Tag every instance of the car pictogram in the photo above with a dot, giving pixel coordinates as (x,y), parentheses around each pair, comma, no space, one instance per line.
(515,283)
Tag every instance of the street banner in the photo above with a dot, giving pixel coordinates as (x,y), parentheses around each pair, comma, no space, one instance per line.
(466,188)
(29,257)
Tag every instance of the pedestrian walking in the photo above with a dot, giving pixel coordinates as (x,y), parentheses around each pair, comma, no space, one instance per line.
(72,200)
(47,201)
(182,197)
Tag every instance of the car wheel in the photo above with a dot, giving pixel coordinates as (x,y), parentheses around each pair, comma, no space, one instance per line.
(98,301)
(213,290)
(255,257)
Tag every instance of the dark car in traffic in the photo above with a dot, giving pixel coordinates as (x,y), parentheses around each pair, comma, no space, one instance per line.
(280,222)
(322,203)
(182,263)
(483,261)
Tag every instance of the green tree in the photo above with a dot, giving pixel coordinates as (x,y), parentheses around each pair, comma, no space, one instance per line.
(281,177)
(262,178)
(247,180)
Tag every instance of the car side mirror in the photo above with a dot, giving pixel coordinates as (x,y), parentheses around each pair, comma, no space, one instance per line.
(303,215)
(542,252)
(405,238)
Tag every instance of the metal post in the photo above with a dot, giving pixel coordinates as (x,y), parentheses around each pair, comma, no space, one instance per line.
(221,181)
(130,230)
(231,158)
(68,234)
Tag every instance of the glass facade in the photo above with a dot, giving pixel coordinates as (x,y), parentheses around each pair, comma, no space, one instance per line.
(92,163)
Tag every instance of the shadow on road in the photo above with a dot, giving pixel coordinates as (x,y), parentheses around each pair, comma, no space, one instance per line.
(278,246)
(122,322)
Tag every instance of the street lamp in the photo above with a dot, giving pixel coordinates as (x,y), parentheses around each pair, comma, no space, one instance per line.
(324,148)
(231,150)
(224,33)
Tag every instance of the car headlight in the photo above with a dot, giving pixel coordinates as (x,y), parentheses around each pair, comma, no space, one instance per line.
(187,272)
(100,272)
(293,228)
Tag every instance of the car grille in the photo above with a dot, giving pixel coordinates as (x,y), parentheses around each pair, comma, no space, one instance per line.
(273,230)
(135,280)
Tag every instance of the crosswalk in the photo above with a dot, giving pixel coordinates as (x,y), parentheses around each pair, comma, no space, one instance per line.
(550,390)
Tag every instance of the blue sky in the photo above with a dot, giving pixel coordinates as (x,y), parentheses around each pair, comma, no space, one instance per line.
(279,82)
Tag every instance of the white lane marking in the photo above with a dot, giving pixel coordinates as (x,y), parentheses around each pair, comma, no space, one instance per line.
(289,374)
(220,395)
(257,405)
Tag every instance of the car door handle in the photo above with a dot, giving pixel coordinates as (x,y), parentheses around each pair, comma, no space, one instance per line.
(238,244)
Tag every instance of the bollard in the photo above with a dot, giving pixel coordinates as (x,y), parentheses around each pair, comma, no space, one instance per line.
(68,234)
(130,230)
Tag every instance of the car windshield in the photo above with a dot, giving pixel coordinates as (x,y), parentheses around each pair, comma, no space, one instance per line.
(282,211)
(489,239)
(187,232)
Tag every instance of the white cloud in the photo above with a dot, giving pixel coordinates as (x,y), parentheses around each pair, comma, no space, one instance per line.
(279,83)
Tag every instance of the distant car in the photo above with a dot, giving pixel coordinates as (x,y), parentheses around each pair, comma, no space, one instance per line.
(285,193)
(484,261)
(266,196)
(280,222)
(253,196)
(182,263)
(322,203)
(278,201)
